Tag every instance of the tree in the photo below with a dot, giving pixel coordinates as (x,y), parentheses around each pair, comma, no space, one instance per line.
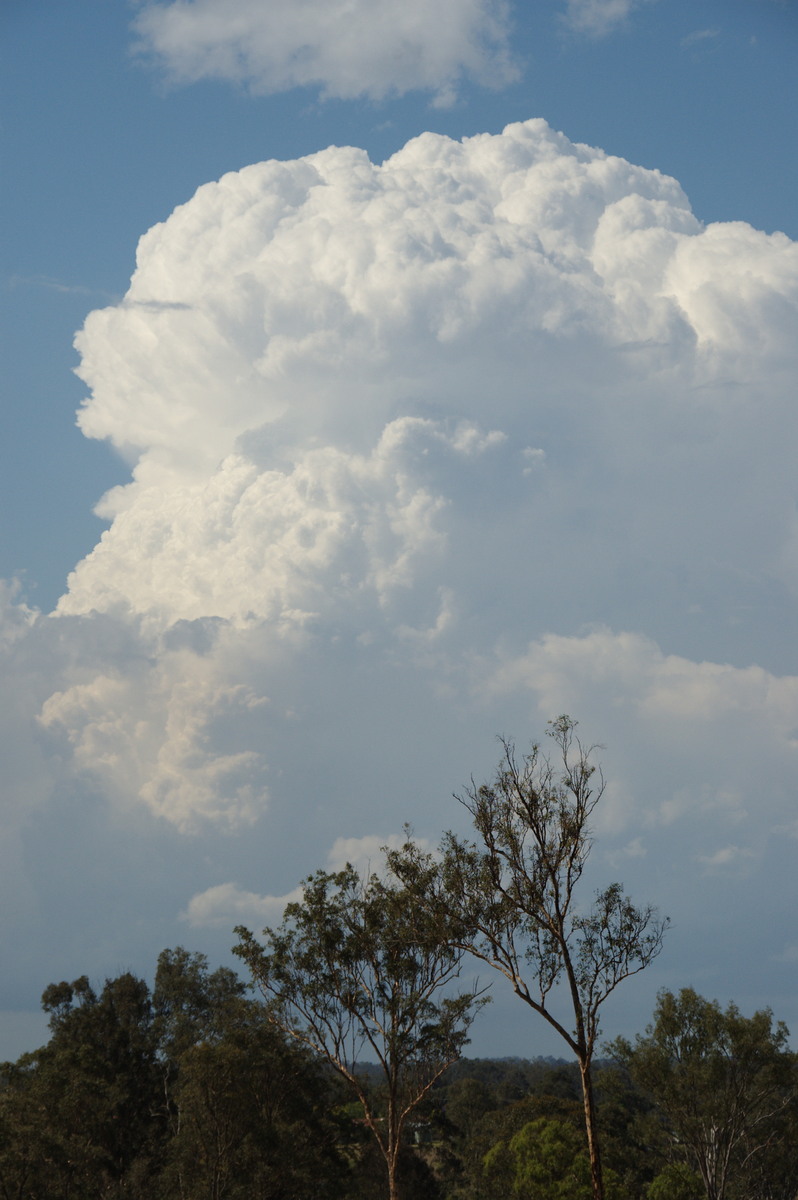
(80,1117)
(27,1148)
(675,1182)
(723,1084)
(511,899)
(627,1124)
(249,1110)
(544,1160)
(355,971)
(190,1003)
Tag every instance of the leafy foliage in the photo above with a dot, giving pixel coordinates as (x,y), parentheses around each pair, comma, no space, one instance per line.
(250,1113)
(724,1085)
(356,970)
(545,1160)
(189,1093)
(82,1114)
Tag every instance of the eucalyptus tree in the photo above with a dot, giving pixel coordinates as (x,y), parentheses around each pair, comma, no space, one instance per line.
(79,1117)
(249,1110)
(357,972)
(512,898)
(725,1088)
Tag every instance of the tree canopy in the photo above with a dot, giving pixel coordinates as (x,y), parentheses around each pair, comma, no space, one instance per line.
(357,970)
(724,1085)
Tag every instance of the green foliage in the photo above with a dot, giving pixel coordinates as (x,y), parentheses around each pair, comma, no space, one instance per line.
(513,1094)
(723,1083)
(675,1182)
(190,1003)
(545,1160)
(250,1112)
(82,1115)
(467,1102)
(629,1140)
(240,1113)
(187,1095)
(357,971)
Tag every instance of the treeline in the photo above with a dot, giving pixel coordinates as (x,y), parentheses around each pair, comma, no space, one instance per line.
(187,1091)
(182,1091)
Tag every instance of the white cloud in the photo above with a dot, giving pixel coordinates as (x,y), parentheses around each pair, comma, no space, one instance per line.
(411,445)
(696,734)
(727,857)
(365,854)
(253,542)
(419,452)
(227,905)
(355,48)
(599,17)
(630,670)
(148,735)
(16,617)
(394,422)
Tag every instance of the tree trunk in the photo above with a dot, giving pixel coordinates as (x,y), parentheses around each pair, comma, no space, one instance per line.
(591,1129)
(394,1137)
(393,1191)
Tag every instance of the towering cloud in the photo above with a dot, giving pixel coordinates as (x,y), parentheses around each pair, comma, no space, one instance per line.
(400,421)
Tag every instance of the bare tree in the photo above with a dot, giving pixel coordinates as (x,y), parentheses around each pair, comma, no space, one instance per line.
(511,898)
(357,972)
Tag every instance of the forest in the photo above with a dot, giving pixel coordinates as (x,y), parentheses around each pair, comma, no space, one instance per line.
(187,1091)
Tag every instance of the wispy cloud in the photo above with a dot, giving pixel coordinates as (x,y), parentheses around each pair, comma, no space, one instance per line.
(57,285)
(367,48)
(699,37)
(227,905)
(732,857)
(597,18)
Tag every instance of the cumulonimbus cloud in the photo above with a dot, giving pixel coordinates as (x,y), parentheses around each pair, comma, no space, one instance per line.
(486,392)
(421,452)
(368,48)
(313,355)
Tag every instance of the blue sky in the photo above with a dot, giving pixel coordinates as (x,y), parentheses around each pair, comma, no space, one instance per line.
(326,669)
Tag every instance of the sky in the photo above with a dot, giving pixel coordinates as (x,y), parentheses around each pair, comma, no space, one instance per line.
(379,379)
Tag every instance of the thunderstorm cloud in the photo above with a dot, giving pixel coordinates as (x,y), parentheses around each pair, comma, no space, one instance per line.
(420,452)
(434,409)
